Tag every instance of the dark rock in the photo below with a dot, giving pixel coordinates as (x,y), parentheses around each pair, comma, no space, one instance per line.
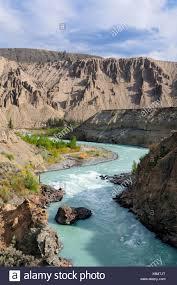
(154,192)
(125,199)
(83,213)
(68,215)
(51,194)
(124,179)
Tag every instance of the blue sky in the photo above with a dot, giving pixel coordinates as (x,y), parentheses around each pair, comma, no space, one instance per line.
(110,28)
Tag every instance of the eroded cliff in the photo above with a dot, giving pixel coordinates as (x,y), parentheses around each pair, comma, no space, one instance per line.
(135,127)
(153,195)
(37,84)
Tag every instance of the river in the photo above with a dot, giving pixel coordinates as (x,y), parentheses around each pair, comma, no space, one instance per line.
(112,236)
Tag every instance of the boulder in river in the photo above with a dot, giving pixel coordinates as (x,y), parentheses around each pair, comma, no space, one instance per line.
(68,215)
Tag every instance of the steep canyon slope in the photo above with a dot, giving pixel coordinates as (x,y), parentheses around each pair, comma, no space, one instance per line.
(141,127)
(38,84)
(153,195)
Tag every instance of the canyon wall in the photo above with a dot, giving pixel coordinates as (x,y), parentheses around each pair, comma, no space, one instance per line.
(153,195)
(135,127)
(36,85)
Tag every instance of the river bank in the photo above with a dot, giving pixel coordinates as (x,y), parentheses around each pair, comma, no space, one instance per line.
(96,156)
(127,241)
(25,212)
(153,193)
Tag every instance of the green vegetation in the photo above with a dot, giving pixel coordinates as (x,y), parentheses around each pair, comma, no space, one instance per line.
(42,141)
(134,167)
(49,132)
(22,183)
(55,122)
(8,155)
(73,143)
(53,126)
(10,124)
(90,154)
(59,123)
(49,144)
(51,149)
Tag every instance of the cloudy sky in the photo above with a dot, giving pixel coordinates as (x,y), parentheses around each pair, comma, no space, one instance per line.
(118,28)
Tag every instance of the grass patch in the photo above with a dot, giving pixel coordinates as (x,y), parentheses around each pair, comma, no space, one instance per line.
(22,183)
(8,155)
(134,167)
(89,154)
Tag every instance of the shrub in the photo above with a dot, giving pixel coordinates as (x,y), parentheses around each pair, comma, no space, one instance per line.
(51,148)
(21,183)
(134,167)
(8,155)
(4,193)
(55,122)
(73,142)
(30,181)
(10,124)
(43,141)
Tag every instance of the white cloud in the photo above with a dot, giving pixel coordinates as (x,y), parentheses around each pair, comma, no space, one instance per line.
(9,18)
(48,14)
(35,23)
(168,53)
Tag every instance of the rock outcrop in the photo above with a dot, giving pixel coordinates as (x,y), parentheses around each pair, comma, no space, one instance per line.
(141,127)
(124,179)
(69,215)
(46,195)
(36,85)
(25,229)
(15,153)
(51,194)
(153,197)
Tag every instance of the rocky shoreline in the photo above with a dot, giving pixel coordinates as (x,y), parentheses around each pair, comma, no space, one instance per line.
(69,161)
(150,193)
(124,179)
(25,237)
(153,194)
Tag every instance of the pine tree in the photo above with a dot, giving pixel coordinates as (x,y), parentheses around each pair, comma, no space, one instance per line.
(10,124)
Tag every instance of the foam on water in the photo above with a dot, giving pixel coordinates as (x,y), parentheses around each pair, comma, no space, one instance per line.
(112,236)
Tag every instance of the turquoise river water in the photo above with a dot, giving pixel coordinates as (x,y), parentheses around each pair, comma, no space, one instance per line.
(112,236)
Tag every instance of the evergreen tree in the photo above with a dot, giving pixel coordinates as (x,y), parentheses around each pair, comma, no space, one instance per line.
(10,124)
